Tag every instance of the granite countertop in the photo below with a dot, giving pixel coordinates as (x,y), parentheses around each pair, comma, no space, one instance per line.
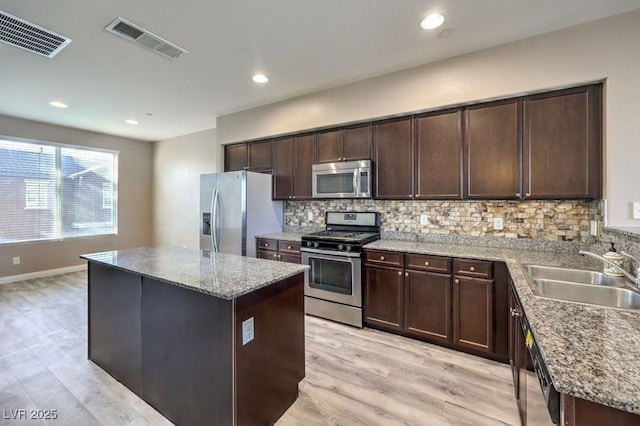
(591,352)
(225,276)
(283,236)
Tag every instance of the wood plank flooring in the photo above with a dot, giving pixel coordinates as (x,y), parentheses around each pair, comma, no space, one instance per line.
(353,377)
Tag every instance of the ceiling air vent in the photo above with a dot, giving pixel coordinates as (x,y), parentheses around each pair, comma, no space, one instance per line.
(25,35)
(146,39)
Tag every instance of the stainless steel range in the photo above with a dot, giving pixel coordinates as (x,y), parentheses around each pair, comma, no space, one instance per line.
(333,285)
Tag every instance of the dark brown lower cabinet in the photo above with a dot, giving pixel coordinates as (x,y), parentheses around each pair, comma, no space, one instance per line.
(473,313)
(384,297)
(428,305)
(285,251)
(580,412)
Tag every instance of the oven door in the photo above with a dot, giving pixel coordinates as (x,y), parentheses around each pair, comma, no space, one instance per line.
(333,276)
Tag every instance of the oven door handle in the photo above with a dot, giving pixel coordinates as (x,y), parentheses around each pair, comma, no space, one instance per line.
(330,252)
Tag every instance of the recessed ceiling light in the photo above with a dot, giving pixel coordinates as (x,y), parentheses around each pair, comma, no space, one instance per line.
(131,121)
(260,78)
(432,21)
(58,104)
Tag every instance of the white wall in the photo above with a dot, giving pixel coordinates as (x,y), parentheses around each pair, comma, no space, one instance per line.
(605,49)
(177,166)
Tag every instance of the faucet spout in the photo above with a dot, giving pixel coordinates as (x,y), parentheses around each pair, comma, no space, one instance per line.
(634,279)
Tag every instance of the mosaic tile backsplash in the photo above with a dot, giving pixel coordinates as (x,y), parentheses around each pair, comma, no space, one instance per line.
(566,220)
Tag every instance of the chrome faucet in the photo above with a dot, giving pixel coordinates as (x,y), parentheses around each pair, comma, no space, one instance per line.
(634,279)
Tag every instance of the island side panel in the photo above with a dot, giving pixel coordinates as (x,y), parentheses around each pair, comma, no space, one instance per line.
(187,350)
(269,367)
(114,324)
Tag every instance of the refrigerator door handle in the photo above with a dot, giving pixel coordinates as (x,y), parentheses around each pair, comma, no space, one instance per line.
(216,214)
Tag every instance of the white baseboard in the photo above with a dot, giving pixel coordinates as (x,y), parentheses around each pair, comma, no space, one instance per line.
(40,274)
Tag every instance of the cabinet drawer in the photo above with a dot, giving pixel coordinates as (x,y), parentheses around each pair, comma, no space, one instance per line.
(388,258)
(473,268)
(267,244)
(428,263)
(289,247)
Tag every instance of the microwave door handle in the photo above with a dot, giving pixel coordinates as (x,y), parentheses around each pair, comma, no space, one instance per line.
(356,182)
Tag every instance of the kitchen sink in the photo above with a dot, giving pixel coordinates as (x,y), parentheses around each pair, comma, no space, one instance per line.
(583,286)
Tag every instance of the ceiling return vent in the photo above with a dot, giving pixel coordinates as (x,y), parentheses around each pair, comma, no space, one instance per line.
(25,35)
(146,39)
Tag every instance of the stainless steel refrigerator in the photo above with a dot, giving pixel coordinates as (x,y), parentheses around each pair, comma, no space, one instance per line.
(234,208)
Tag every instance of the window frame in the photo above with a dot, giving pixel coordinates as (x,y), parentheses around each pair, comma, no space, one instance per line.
(54,204)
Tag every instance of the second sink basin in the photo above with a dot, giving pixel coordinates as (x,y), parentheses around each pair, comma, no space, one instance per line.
(582,286)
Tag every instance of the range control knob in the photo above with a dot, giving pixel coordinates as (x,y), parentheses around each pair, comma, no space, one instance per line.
(309,243)
(348,248)
(340,247)
(316,244)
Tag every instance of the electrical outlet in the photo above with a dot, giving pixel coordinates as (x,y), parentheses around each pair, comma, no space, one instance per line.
(636,209)
(593,227)
(309,215)
(16,260)
(424,219)
(498,223)
(247,331)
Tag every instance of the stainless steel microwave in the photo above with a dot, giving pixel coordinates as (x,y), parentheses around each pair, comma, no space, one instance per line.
(347,179)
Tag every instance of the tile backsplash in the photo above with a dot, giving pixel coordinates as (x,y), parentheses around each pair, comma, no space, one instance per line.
(551,220)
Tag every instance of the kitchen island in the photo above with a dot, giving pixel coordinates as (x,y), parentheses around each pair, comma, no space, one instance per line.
(205,338)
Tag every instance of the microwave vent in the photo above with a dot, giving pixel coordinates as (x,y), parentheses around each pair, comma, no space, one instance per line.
(144,38)
(31,37)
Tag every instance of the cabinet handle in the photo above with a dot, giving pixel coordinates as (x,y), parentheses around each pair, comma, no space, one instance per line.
(399,272)
(457,281)
(426,263)
(381,257)
(528,194)
(406,274)
(288,247)
(514,312)
(294,197)
(518,194)
(472,268)
(279,257)
(266,244)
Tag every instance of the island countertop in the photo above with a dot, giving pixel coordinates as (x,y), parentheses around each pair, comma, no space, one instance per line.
(221,275)
(592,352)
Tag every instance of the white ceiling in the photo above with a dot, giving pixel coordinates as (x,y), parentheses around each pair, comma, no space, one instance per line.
(302,45)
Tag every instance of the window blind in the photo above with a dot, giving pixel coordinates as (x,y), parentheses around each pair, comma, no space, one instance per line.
(55,192)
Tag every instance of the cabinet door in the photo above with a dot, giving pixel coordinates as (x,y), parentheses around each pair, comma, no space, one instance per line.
(393,143)
(235,157)
(303,160)
(562,144)
(428,305)
(473,313)
(356,143)
(384,297)
(439,156)
(260,156)
(283,169)
(492,151)
(329,146)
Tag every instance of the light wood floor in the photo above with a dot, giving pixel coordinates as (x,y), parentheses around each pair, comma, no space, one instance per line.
(353,377)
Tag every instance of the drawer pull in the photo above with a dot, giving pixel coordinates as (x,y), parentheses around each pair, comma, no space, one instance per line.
(514,312)
(457,281)
(472,268)
(399,272)
(275,255)
(426,263)
(381,257)
(406,274)
(266,244)
(288,247)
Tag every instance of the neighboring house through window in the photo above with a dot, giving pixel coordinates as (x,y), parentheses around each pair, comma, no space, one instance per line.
(36,194)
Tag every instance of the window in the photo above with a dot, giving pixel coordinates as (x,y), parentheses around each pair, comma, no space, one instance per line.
(50,192)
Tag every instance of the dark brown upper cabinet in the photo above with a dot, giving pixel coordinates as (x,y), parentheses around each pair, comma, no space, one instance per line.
(235,157)
(292,160)
(562,144)
(347,144)
(393,144)
(260,156)
(283,168)
(254,156)
(439,155)
(492,150)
